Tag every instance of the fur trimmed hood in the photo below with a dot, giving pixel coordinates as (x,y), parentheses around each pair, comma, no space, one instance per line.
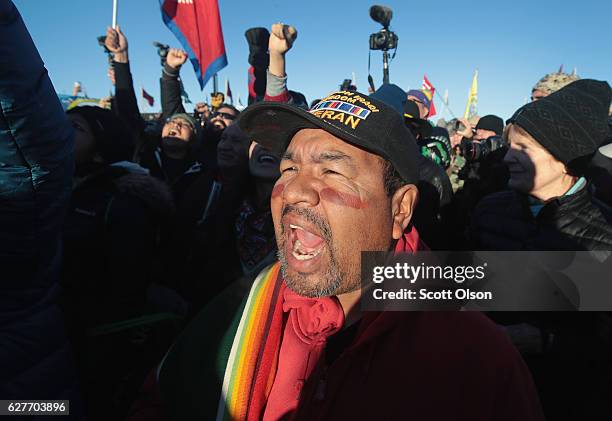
(155,193)
(134,181)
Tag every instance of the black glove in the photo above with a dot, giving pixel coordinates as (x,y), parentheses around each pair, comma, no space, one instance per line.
(258,47)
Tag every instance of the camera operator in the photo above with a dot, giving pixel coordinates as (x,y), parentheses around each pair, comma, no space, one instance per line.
(483,149)
(481,152)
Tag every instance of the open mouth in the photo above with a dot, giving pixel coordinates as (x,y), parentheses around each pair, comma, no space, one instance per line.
(219,124)
(172,133)
(305,244)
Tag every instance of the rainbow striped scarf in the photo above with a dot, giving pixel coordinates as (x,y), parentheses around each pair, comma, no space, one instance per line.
(251,366)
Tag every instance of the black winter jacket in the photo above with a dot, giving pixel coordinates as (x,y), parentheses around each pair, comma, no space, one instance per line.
(435,194)
(503,221)
(575,367)
(36,166)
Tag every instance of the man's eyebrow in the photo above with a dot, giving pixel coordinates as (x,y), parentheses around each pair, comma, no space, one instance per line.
(332,156)
(324,157)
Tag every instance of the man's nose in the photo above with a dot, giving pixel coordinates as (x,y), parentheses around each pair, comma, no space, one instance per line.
(302,189)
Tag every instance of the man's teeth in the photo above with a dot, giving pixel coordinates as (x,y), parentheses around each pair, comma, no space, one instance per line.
(300,254)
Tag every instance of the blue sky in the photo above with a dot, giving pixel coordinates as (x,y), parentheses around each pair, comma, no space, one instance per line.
(511,43)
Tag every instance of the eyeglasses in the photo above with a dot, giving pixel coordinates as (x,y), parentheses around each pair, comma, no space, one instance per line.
(226,116)
(180,124)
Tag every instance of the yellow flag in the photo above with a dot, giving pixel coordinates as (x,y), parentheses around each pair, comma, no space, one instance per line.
(470,108)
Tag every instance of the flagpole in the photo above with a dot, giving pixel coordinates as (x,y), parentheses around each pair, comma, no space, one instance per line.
(446,106)
(115,13)
(215,84)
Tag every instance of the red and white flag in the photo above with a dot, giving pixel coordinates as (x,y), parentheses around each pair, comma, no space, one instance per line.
(429,90)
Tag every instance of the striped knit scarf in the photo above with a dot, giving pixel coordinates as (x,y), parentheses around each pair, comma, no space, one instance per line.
(251,366)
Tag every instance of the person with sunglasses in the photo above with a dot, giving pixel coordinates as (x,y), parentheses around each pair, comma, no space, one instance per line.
(223,117)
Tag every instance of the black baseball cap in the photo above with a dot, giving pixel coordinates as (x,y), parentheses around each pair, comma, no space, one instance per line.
(351,116)
(415,123)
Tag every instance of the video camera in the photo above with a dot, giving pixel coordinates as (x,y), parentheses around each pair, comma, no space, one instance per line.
(474,151)
(385,39)
(162,51)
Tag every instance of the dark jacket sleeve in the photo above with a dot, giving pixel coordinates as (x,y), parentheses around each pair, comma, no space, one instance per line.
(36,168)
(36,162)
(126,106)
(170,89)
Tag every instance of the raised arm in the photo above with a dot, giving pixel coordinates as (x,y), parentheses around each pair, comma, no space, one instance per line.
(170,83)
(282,38)
(126,105)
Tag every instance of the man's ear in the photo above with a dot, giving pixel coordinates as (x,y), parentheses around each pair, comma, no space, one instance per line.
(403,203)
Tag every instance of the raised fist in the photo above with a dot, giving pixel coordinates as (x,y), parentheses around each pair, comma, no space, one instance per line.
(115,41)
(117,44)
(176,58)
(282,38)
(202,108)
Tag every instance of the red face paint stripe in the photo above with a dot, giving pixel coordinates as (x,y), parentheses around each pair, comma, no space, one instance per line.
(343,199)
(278,190)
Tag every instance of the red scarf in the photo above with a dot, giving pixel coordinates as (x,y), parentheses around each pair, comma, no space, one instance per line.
(310,322)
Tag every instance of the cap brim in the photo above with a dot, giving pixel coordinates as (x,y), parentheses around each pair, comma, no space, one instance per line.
(273,125)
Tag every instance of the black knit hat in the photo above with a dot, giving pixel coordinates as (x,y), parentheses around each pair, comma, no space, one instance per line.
(491,122)
(570,123)
(352,116)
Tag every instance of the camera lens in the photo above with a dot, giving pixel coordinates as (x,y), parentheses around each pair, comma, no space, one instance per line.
(380,40)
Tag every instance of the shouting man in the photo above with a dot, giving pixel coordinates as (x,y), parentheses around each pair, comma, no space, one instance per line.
(297,345)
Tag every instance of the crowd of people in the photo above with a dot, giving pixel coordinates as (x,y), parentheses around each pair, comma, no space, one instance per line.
(207,265)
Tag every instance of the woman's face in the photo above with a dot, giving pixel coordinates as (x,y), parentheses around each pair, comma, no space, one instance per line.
(84,141)
(263,163)
(233,148)
(532,168)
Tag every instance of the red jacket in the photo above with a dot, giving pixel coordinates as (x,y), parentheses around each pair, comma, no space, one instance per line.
(424,366)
